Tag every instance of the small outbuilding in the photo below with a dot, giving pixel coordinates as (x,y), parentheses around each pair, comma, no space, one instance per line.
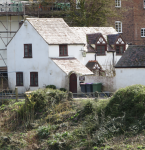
(130,69)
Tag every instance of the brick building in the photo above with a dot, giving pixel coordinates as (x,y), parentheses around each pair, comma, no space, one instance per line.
(130,22)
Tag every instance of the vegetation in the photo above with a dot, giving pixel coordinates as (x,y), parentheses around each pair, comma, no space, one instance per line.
(86,13)
(47,120)
(91,13)
(51,86)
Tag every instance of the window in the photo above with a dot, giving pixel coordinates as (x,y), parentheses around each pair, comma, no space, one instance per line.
(120,46)
(19,79)
(27,50)
(119,49)
(63,50)
(118,26)
(101,46)
(142,32)
(101,50)
(144,4)
(33,78)
(117,3)
(77,4)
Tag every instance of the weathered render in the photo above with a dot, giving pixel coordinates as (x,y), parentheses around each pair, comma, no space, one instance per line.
(130,69)
(49,72)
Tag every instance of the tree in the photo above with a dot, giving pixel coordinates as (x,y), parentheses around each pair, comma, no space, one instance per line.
(90,12)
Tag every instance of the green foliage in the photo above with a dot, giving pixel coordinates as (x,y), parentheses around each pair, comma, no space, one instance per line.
(87,109)
(51,86)
(129,101)
(63,89)
(90,13)
(56,96)
(44,131)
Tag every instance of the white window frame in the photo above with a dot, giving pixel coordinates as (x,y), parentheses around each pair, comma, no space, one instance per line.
(117,3)
(142,32)
(118,26)
(77,2)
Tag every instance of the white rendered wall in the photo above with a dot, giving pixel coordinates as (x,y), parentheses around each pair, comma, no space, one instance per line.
(105,60)
(129,76)
(8,23)
(48,72)
(75,51)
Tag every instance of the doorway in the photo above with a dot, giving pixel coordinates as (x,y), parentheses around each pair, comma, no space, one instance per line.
(73,83)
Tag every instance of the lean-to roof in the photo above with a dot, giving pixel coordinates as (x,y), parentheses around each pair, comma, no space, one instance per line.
(71,64)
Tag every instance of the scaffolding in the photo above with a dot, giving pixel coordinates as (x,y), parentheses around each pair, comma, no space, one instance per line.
(13,13)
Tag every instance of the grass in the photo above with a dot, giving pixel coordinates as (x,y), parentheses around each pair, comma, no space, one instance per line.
(82,124)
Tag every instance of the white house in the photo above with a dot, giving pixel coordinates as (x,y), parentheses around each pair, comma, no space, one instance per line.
(103,44)
(130,69)
(47,51)
(42,53)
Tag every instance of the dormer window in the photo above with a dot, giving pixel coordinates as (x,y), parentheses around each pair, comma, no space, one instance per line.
(101,46)
(120,46)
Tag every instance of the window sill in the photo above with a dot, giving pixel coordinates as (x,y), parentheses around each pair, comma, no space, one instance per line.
(19,85)
(33,85)
(143,36)
(27,57)
(117,6)
(63,55)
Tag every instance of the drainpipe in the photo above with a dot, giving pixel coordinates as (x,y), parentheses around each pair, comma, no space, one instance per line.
(95,55)
(113,59)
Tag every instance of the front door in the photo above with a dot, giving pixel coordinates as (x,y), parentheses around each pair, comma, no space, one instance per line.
(73,83)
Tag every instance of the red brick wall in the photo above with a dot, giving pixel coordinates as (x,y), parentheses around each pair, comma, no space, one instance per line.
(133,19)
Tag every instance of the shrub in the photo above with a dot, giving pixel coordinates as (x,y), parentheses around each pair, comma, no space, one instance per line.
(129,101)
(63,89)
(51,86)
(55,96)
(44,131)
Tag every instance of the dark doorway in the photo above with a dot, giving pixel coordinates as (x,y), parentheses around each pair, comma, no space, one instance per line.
(73,83)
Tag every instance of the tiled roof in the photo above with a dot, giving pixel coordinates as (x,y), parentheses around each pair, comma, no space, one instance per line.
(112,38)
(71,64)
(90,49)
(134,57)
(55,31)
(82,31)
(93,64)
(92,38)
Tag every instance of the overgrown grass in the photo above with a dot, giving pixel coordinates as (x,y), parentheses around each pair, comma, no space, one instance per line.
(57,124)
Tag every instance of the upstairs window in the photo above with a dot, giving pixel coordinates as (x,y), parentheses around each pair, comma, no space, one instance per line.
(77,4)
(142,32)
(27,50)
(19,79)
(118,26)
(144,4)
(120,46)
(33,78)
(117,3)
(101,46)
(63,50)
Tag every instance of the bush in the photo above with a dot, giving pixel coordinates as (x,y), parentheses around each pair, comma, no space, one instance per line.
(129,101)
(63,89)
(55,96)
(43,131)
(51,86)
